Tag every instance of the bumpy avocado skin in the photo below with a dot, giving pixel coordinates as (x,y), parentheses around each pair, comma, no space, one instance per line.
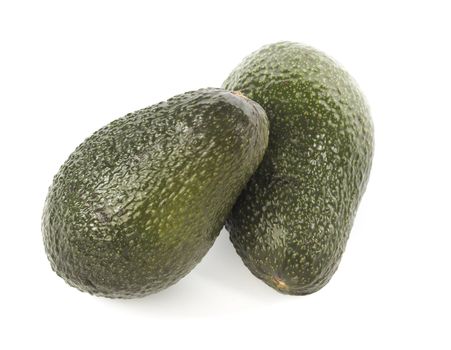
(291,223)
(139,203)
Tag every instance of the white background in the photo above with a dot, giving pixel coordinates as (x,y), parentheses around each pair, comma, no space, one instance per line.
(68,68)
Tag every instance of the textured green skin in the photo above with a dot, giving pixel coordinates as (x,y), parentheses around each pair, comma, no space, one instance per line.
(291,224)
(139,203)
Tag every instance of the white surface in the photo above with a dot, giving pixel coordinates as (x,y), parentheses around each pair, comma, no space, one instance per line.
(68,69)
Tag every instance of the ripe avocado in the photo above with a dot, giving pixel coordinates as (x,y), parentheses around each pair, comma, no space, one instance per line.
(291,223)
(138,204)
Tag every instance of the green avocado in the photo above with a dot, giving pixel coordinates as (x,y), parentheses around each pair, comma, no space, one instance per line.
(139,203)
(291,223)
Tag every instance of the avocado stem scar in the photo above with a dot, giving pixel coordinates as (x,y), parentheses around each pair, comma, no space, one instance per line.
(279,283)
(239,93)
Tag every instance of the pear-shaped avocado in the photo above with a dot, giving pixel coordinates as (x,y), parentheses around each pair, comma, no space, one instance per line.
(139,203)
(291,223)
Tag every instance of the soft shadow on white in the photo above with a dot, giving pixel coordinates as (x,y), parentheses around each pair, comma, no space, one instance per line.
(219,285)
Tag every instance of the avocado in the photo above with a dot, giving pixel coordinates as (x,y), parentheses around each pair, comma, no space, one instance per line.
(291,223)
(138,204)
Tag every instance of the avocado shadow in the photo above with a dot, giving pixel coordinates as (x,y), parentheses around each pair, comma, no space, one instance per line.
(224,268)
(220,285)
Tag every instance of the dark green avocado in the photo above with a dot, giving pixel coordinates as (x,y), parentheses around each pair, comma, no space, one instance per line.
(139,203)
(291,223)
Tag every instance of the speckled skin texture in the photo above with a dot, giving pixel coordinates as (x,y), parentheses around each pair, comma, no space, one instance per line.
(291,224)
(139,203)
